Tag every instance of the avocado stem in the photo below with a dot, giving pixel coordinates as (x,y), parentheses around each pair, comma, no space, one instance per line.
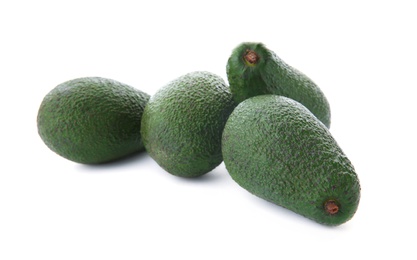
(251,57)
(331,207)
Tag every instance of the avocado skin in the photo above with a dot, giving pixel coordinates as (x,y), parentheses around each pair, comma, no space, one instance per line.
(183,123)
(271,75)
(92,120)
(276,149)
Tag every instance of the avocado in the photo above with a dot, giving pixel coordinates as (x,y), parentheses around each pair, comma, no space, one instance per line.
(183,123)
(276,149)
(92,120)
(253,69)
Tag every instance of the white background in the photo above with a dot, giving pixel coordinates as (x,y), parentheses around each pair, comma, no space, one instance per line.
(362,55)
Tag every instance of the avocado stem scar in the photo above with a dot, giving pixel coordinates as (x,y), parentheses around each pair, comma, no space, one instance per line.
(331,207)
(251,57)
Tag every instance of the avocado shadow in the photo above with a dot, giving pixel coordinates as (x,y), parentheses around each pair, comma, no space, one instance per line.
(129,160)
(218,174)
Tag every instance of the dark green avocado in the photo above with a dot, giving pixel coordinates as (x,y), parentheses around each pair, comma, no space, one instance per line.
(278,150)
(253,69)
(183,123)
(92,120)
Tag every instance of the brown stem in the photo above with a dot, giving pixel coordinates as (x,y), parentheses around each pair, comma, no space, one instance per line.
(331,207)
(251,57)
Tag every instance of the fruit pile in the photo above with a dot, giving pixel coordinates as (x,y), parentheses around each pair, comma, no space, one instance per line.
(270,126)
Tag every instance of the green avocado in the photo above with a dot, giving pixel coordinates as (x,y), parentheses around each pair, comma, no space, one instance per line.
(92,120)
(183,122)
(278,150)
(253,69)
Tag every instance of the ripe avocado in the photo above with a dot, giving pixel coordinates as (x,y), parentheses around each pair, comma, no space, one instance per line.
(278,150)
(253,69)
(92,120)
(183,122)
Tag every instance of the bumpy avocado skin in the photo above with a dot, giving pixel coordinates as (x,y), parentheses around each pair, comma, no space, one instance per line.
(277,149)
(271,75)
(92,120)
(183,122)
